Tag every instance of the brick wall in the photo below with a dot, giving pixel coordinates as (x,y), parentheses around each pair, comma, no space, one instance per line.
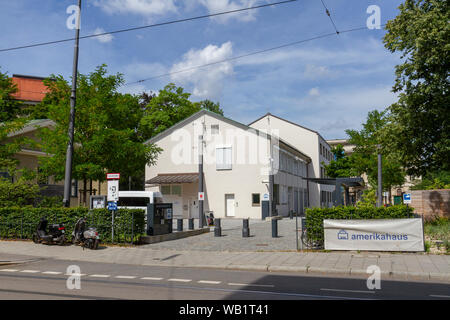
(431,203)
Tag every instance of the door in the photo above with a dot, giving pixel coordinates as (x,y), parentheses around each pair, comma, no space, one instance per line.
(229,205)
(193,208)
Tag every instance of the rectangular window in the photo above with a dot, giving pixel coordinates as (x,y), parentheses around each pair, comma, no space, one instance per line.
(176,190)
(256,199)
(214,129)
(224,158)
(165,190)
(276,193)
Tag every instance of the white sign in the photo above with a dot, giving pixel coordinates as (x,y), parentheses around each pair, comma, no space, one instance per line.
(112,176)
(201,196)
(113,190)
(266,197)
(375,234)
(407,198)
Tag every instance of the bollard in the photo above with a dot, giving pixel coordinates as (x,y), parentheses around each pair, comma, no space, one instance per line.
(291,214)
(180,225)
(274,228)
(191,224)
(245,229)
(217,228)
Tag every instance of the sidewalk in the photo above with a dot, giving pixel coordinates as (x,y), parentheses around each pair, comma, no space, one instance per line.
(393,266)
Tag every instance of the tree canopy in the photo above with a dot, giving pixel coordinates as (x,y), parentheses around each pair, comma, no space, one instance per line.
(419,123)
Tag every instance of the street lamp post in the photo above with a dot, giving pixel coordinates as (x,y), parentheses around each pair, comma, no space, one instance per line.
(380,179)
(73,98)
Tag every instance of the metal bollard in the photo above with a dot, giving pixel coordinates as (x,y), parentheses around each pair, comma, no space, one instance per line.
(217,228)
(191,224)
(245,229)
(274,228)
(180,225)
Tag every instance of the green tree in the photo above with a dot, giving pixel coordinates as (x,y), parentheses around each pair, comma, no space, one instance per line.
(420,122)
(169,107)
(369,141)
(107,134)
(341,166)
(9,106)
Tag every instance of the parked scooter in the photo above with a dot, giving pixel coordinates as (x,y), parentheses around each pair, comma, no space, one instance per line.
(87,238)
(55,233)
(210,218)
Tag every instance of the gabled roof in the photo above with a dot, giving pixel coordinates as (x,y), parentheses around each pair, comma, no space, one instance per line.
(290,122)
(33,125)
(202,112)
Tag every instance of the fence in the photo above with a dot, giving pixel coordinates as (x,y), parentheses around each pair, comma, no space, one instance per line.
(312,232)
(21,223)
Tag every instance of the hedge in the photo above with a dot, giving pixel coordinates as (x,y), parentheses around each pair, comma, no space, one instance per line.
(315,217)
(21,223)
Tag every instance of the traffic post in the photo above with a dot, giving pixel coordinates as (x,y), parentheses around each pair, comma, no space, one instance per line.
(113,197)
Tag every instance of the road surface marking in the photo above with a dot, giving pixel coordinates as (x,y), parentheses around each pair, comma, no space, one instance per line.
(30,271)
(209,282)
(251,285)
(179,280)
(9,270)
(75,274)
(438,296)
(125,277)
(100,275)
(51,272)
(344,290)
(151,278)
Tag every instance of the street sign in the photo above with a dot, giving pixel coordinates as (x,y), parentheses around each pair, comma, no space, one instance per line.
(113,190)
(113,176)
(407,198)
(112,206)
(266,197)
(201,196)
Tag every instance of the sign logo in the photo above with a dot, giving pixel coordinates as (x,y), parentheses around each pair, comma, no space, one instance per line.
(342,235)
(407,198)
(201,196)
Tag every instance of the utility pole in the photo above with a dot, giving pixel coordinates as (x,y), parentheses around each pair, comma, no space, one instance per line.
(380,179)
(200,179)
(73,98)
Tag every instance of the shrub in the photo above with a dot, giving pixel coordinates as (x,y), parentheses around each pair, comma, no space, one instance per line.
(22,222)
(315,217)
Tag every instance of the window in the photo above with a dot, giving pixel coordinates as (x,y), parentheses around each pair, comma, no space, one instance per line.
(276,193)
(214,129)
(171,190)
(176,190)
(133,201)
(256,199)
(224,158)
(165,189)
(74,188)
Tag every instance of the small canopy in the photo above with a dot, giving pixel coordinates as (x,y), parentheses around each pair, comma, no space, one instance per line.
(172,178)
(338,183)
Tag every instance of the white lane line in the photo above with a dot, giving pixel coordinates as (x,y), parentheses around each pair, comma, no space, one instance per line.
(151,278)
(51,272)
(76,274)
(9,270)
(439,296)
(99,275)
(125,277)
(251,285)
(30,271)
(209,282)
(179,280)
(345,290)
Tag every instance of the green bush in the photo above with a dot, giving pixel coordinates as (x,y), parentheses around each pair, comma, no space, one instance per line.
(21,223)
(315,217)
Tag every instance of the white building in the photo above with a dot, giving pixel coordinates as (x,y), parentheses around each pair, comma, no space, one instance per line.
(242,167)
(309,142)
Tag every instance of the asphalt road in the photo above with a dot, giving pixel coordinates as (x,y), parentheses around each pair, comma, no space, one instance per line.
(47,280)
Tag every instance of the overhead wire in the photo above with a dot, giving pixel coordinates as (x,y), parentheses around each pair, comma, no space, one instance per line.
(148,26)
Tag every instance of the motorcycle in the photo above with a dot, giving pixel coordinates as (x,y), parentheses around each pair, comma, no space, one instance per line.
(210,218)
(87,238)
(55,233)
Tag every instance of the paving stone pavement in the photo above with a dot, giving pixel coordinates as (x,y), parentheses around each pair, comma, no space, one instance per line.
(260,252)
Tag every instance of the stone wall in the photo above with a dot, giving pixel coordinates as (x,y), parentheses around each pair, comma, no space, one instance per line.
(431,203)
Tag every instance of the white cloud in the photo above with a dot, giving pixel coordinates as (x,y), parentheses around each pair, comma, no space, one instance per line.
(206,82)
(104,38)
(315,72)
(314,92)
(216,6)
(141,7)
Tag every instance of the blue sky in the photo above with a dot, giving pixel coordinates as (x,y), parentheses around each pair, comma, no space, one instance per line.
(328,85)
